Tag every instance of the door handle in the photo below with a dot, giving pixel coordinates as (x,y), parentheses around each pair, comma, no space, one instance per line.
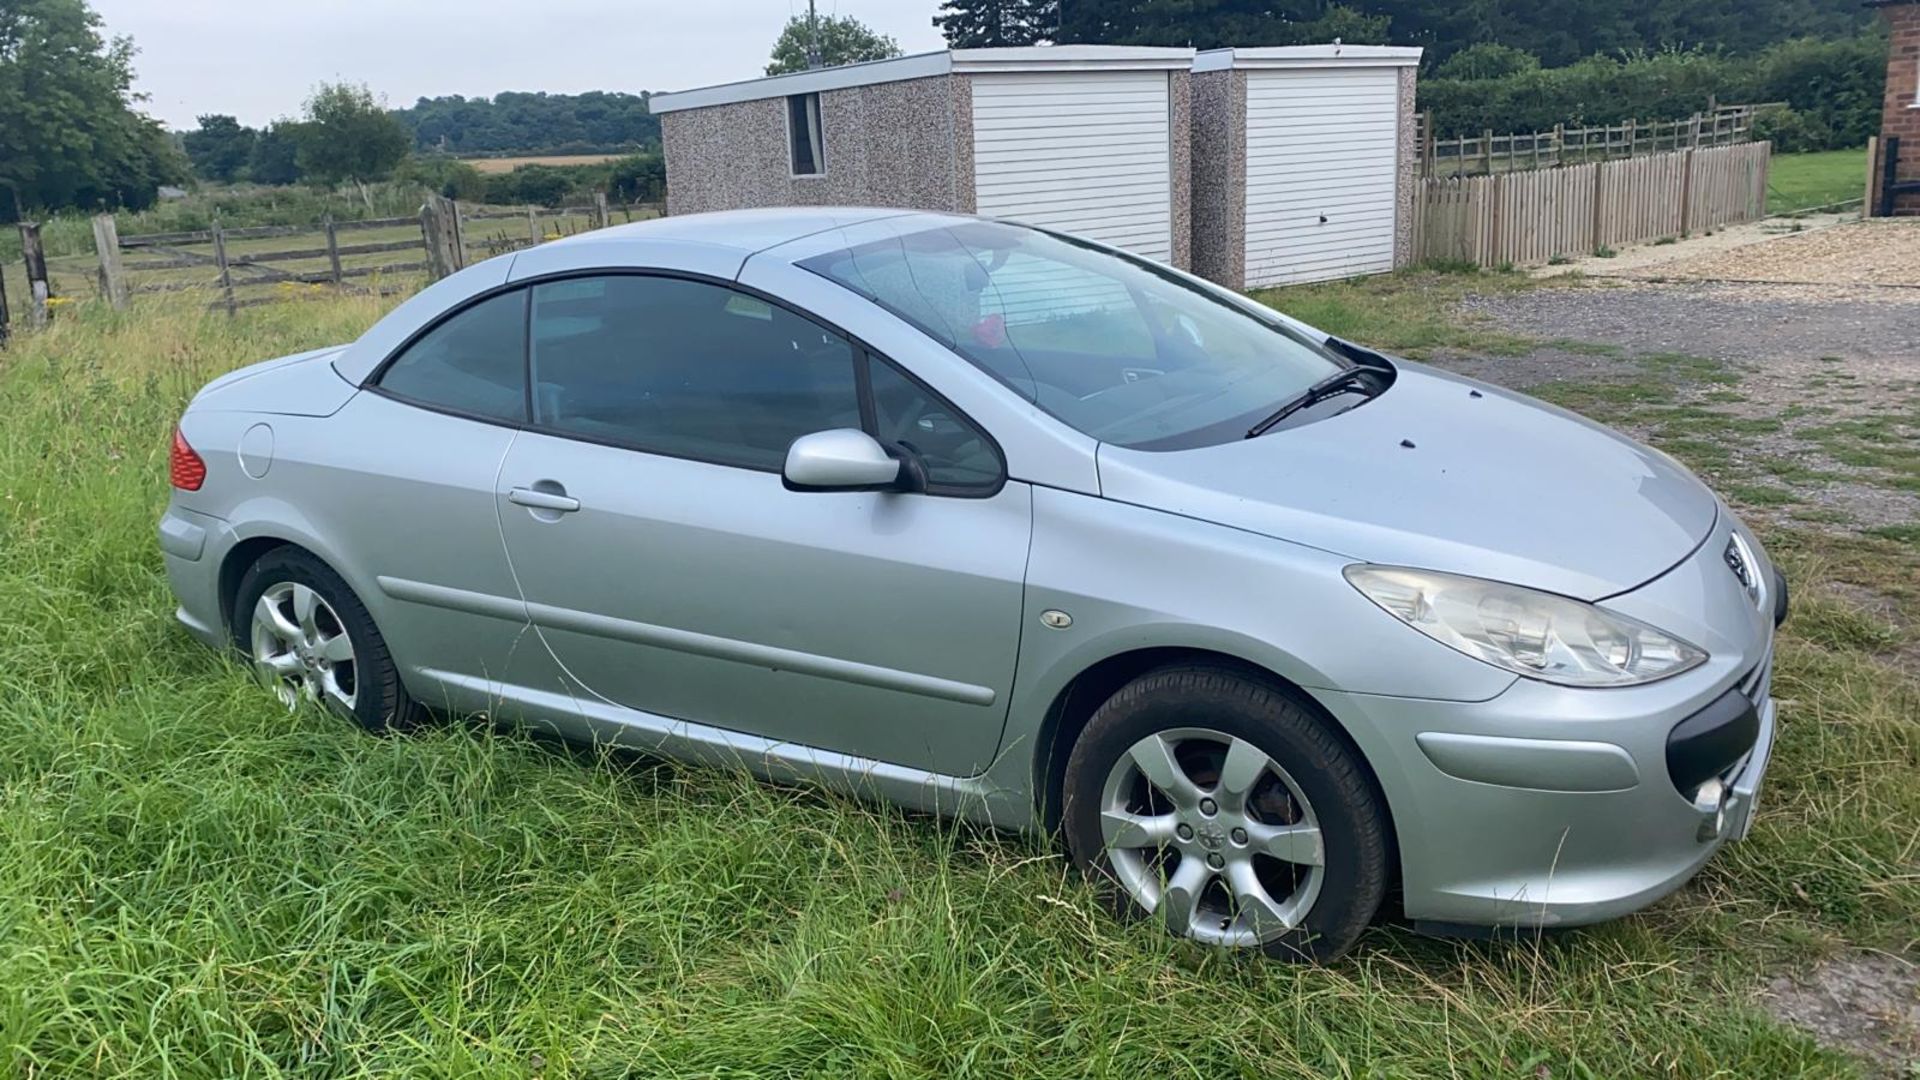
(535,499)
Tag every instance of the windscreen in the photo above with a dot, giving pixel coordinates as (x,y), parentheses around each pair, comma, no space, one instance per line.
(1124,351)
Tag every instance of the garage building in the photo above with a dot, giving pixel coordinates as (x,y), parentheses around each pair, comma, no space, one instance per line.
(1304,162)
(1084,138)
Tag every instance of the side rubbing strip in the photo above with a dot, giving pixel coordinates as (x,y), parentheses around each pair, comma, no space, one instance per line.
(686,641)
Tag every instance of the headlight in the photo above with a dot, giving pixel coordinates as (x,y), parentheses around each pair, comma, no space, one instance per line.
(1535,634)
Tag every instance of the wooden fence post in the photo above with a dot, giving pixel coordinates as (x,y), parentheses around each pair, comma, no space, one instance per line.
(39,287)
(1766,174)
(1686,193)
(440,229)
(6,313)
(1873,175)
(1599,204)
(113,275)
(226,272)
(534,235)
(1486,149)
(333,253)
(1426,144)
(601,218)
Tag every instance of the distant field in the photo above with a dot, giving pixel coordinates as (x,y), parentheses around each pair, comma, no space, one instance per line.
(492,166)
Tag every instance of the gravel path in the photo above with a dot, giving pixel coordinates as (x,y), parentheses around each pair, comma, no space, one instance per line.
(1881,251)
(1827,249)
(1806,358)
(1724,322)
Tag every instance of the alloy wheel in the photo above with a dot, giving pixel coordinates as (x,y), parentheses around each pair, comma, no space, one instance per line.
(301,648)
(1207,832)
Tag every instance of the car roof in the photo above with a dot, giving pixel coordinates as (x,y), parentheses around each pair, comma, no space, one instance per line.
(716,244)
(746,232)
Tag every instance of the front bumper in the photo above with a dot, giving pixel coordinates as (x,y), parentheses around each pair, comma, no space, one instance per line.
(1483,853)
(1550,806)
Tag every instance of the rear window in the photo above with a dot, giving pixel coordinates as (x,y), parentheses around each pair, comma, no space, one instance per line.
(473,363)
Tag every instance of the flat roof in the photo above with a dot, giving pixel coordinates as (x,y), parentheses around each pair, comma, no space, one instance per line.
(928,65)
(1298,56)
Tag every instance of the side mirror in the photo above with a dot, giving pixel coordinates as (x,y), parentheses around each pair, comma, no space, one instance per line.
(844,459)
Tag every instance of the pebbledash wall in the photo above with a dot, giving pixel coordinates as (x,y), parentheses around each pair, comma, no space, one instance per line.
(1901,116)
(902,133)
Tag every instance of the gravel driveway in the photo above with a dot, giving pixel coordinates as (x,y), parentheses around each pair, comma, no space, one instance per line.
(1804,399)
(1726,322)
(1878,251)
(1824,250)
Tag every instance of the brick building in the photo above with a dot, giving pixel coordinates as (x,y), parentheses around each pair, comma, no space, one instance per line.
(1901,120)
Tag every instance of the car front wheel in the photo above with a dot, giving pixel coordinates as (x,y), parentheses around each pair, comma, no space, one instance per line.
(1230,812)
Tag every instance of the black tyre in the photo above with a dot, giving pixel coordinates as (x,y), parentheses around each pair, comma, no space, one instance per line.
(1229,810)
(308,636)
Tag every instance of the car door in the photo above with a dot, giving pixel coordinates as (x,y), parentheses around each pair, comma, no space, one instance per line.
(671,571)
(408,499)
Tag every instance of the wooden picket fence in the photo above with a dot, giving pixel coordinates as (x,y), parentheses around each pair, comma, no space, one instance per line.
(1534,216)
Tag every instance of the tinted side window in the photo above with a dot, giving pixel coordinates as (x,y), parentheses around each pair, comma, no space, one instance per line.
(474,363)
(686,368)
(956,454)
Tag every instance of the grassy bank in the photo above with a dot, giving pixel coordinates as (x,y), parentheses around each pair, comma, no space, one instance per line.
(198,884)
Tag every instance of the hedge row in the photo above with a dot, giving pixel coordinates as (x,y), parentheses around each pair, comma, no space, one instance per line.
(1833,88)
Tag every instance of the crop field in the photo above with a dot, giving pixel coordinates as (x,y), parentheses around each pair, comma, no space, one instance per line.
(199,884)
(493,165)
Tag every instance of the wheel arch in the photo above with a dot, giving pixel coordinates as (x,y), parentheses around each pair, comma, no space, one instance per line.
(1074,705)
(234,565)
(251,544)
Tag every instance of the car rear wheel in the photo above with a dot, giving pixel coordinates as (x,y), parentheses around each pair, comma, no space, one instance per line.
(1230,812)
(310,639)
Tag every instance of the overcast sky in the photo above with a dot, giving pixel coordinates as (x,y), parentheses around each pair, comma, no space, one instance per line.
(258,59)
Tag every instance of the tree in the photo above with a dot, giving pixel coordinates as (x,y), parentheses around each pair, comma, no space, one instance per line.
(1487,60)
(596,122)
(69,133)
(349,135)
(842,40)
(983,24)
(220,148)
(275,158)
(638,178)
(1212,24)
(1559,33)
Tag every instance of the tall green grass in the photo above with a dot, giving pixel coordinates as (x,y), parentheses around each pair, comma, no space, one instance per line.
(194,883)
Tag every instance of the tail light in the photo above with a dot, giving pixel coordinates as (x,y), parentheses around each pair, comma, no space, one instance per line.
(189,472)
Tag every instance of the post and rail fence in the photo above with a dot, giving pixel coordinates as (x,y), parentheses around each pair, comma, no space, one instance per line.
(1489,153)
(1538,215)
(248,267)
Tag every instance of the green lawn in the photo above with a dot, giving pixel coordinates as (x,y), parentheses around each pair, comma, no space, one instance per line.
(194,883)
(1803,181)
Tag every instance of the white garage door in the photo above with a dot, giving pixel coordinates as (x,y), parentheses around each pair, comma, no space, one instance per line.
(1082,152)
(1321,166)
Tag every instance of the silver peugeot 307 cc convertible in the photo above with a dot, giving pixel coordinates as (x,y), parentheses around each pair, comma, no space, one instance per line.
(998,522)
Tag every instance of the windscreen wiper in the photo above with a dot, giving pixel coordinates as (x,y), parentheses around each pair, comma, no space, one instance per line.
(1340,382)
